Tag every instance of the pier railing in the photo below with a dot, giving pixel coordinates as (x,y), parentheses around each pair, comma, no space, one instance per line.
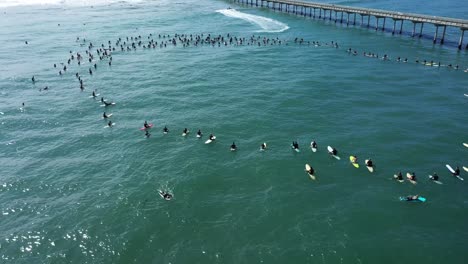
(286,5)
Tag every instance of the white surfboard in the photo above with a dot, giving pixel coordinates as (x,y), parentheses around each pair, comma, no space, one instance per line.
(209,140)
(371,169)
(103,105)
(307,168)
(466,94)
(113,124)
(453,171)
(396,178)
(184,134)
(438,182)
(407,176)
(330,149)
(465,168)
(465,144)
(199,136)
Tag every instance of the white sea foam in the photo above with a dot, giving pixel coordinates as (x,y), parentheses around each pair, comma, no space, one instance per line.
(267,24)
(10,3)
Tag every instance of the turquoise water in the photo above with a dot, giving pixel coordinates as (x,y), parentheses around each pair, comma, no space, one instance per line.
(72,191)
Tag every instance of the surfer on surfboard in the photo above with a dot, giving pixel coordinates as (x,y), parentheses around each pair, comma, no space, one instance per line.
(146,125)
(457,172)
(295,145)
(211,137)
(233,146)
(333,152)
(263,146)
(311,171)
(165,195)
(165,130)
(369,163)
(313,144)
(412,197)
(199,133)
(104,115)
(110,124)
(434,177)
(147,134)
(399,176)
(411,177)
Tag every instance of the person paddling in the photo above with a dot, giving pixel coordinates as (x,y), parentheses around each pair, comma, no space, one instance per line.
(167,196)
(165,130)
(233,146)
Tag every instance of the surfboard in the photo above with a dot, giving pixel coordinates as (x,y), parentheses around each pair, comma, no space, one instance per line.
(199,136)
(184,134)
(145,128)
(103,105)
(453,172)
(438,182)
(370,168)
(351,159)
(466,95)
(420,199)
(94,96)
(408,175)
(307,168)
(330,149)
(465,144)
(396,178)
(109,126)
(313,149)
(209,140)
(109,115)
(465,168)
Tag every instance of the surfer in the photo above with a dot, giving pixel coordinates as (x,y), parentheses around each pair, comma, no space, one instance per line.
(314,144)
(434,177)
(369,163)
(295,145)
(94,94)
(412,176)
(263,146)
(199,133)
(233,146)
(211,137)
(457,172)
(147,134)
(412,197)
(104,115)
(33,79)
(165,130)
(354,159)
(146,124)
(333,152)
(185,131)
(311,171)
(167,196)
(109,124)
(399,177)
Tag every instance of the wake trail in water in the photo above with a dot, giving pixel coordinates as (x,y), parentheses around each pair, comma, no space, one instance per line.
(267,24)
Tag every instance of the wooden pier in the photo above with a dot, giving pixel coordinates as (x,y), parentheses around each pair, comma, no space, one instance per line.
(319,10)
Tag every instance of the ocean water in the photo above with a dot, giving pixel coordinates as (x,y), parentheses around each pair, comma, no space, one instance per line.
(74,191)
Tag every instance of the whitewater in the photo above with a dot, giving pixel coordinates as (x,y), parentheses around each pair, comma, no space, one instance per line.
(267,24)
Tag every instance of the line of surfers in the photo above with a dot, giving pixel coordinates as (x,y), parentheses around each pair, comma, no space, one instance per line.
(313,145)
